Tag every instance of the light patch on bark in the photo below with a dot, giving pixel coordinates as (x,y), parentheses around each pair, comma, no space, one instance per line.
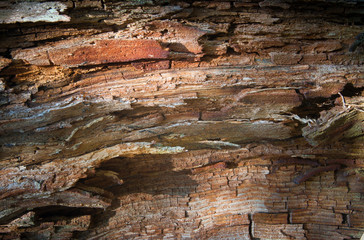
(34,12)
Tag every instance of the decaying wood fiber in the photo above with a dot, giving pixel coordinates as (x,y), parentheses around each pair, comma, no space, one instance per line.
(166,119)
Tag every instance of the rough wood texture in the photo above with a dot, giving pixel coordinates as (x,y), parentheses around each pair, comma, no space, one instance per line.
(181,119)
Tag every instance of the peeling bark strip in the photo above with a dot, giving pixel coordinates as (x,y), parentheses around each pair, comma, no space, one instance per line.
(78,53)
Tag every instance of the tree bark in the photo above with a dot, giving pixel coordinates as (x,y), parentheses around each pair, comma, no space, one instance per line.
(181,119)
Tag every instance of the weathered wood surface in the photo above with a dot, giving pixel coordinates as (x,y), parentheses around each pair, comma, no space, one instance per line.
(181,119)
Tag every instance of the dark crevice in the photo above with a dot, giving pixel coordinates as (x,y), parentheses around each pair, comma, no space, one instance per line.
(216,36)
(103,4)
(351,91)
(7,54)
(118,64)
(345,219)
(12,216)
(311,107)
(163,32)
(251,234)
(231,165)
(50,213)
(231,51)
(231,29)
(250,226)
